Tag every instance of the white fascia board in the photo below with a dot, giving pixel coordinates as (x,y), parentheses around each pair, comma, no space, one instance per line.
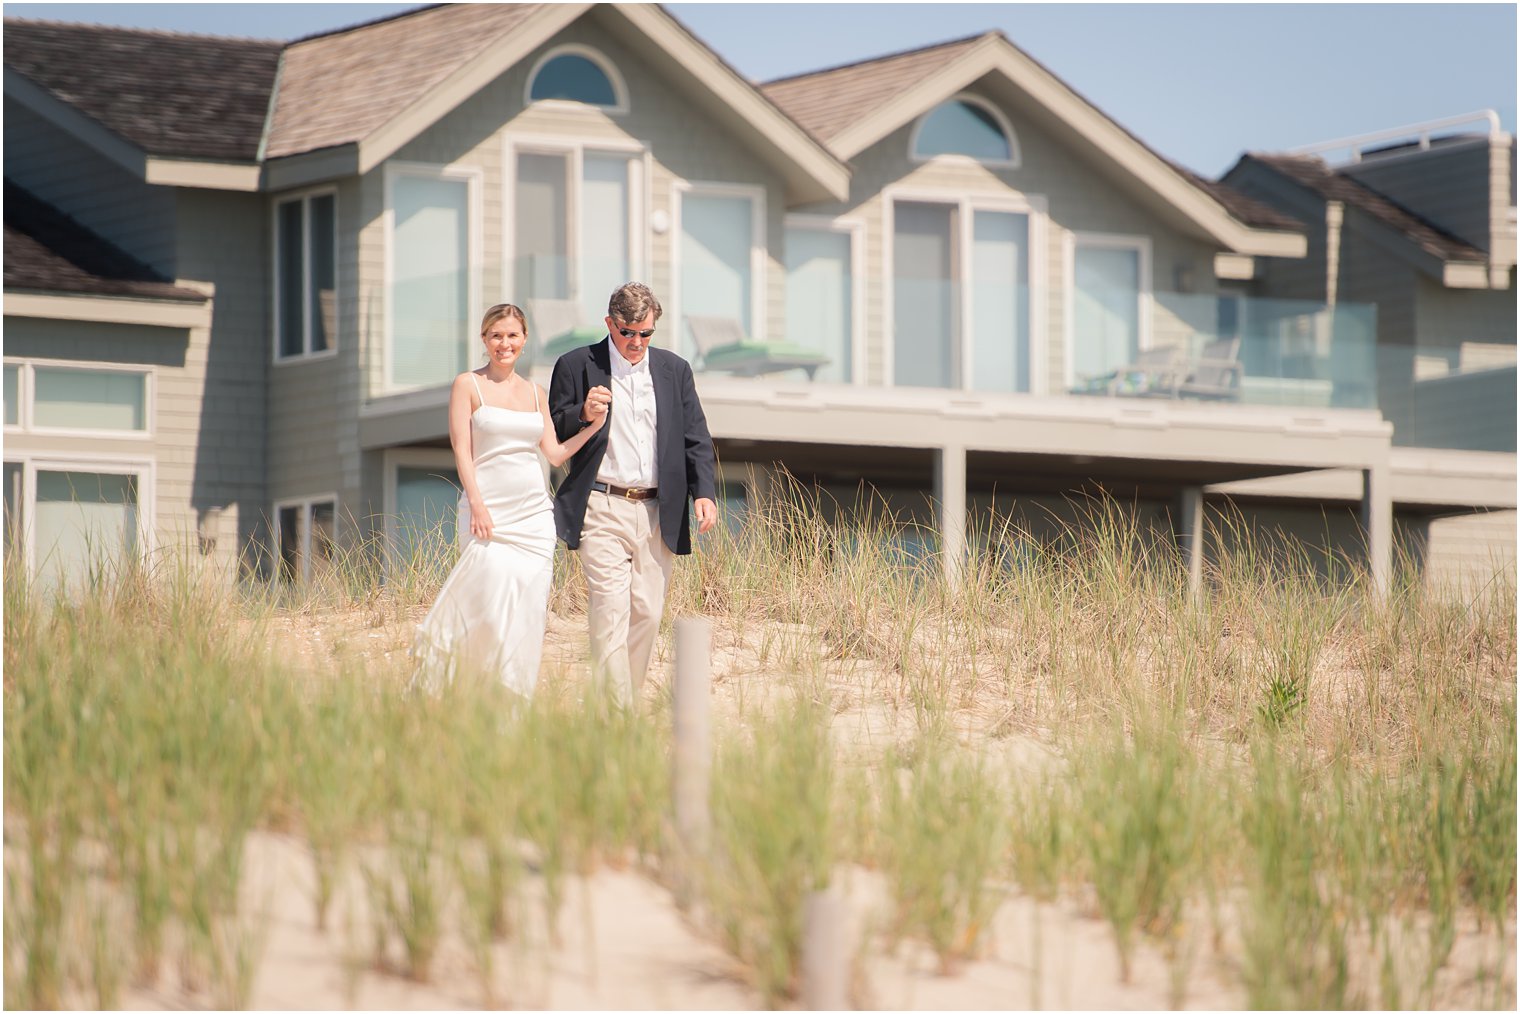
(75,123)
(993,54)
(110,309)
(1465,275)
(438,101)
(175,172)
(321,166)
(1234,267)
(823,174)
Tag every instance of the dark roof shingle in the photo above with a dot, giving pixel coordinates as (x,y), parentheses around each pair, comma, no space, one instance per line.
(1313,174)
(47,251)
(182,96)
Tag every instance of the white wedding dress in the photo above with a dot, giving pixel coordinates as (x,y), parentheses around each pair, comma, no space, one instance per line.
(489,617)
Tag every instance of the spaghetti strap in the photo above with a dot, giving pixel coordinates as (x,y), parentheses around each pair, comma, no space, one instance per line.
(535,396)
(478,394)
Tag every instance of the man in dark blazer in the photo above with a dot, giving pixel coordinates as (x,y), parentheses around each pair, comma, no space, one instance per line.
(624,504)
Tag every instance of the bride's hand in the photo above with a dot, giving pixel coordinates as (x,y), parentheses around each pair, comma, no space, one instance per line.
(598,402)
(480,522)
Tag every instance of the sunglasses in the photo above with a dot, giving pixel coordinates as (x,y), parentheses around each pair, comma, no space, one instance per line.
(629,333)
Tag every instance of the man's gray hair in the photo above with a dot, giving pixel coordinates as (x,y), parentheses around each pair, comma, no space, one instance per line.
(633,302)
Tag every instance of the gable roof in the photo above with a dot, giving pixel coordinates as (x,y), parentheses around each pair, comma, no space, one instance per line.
(340,87)
(1313,174)
(876,97)
(195,96)
(827,101)
(47,251)
(350,98)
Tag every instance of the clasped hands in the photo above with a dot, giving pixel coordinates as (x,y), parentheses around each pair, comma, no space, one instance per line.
(598,402)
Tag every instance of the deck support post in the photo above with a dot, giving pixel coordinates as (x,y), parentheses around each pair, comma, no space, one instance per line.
(1377,523)
(950,495)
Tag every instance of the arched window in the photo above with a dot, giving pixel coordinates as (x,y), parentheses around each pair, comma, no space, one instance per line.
(966,126)
(577,74)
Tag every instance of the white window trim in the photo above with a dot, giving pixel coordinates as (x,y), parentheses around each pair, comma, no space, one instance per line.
(619,87)
(26,399)
(855,229)
(473,178)
(107,464)
(1033,205)
(759,242)
(1102,241)
(306,354)
(639,175)
(305,503)
(393,459)
(1015,159)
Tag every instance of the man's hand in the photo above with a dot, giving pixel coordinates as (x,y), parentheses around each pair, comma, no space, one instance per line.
(597,401)
(707,514)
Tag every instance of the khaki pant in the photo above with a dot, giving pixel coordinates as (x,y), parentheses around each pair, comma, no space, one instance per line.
(627,567)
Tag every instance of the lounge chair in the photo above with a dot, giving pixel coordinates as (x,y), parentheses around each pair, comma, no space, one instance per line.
(724,348)
(1216,374)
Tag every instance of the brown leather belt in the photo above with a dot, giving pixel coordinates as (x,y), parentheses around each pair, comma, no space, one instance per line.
(648,493)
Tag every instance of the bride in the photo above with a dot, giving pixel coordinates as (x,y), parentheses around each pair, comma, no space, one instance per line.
(490,613)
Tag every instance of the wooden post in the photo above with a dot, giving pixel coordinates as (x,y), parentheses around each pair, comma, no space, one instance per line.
(691,759)
(825,952)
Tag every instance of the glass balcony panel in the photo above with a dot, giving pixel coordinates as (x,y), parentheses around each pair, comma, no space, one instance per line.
(1243,350)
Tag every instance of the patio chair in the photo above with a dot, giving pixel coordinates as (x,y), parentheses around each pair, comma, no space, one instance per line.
(1216,374)
(724,348)
(1155,373)
(556,326)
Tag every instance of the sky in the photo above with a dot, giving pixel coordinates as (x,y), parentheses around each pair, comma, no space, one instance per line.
(1200,83)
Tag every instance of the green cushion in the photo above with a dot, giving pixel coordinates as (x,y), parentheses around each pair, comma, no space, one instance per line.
(572,339)
(752,351)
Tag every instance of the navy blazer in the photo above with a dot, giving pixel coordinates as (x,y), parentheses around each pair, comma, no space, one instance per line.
(684,451)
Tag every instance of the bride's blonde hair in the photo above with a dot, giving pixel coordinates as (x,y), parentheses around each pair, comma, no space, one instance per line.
(499,311)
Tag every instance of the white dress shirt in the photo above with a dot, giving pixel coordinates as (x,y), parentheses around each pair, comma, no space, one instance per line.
(630,459)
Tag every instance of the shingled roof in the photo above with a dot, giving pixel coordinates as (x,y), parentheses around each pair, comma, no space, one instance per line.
(47,251)
(828,101)
(339,87)
(182,96)
(1313,174)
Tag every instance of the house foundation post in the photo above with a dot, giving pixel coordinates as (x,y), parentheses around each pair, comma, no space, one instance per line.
(950,494)
(1190,536)
(1377,523)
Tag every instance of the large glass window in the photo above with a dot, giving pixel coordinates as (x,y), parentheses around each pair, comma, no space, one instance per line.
(574,77)
(427,507)
(306,275)
(12,395)
(431,333)
(14,519)
(999,293)
(962,127)
(572,237)
(66,398)
(819,296)
(83,521)
(717,283)
(925,298)
(961,308)
(1105,308)
(308,538)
